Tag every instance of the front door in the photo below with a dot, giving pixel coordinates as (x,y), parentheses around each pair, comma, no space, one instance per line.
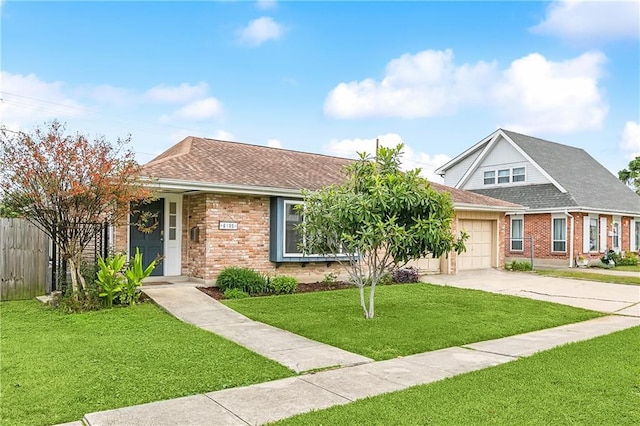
(147,233)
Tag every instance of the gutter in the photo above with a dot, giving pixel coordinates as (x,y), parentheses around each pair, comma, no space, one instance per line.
(185,185)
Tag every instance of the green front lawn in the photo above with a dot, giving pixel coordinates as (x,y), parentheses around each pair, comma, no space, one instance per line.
(595,382)
(56,367)
(409,319)
(591,276)
(635,268)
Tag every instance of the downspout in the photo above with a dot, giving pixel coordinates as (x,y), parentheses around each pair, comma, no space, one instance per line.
(571,237)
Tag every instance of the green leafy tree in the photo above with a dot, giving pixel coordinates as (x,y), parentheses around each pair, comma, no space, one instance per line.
(378,219)
(67,185)
(631,175)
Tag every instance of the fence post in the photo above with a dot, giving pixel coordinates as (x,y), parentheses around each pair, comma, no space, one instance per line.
(105,240)
(54,260)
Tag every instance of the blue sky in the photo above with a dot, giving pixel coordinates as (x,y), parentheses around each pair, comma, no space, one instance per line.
(329,77)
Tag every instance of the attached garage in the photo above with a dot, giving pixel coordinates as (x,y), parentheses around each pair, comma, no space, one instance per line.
(480,245)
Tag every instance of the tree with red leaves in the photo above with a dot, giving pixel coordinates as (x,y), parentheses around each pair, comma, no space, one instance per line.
(67,185)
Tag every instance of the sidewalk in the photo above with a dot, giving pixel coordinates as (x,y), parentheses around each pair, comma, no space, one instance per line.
(271,401)
(296,352)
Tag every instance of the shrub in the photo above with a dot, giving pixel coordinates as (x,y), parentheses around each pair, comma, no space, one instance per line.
(245,279)
(629,259)
(235,293)
(523,265)
(69,303)
(329,278)
(385,279)
(405,275)
(283,284)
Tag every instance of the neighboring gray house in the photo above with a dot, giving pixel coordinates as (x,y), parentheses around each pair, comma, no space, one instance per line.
(575,206)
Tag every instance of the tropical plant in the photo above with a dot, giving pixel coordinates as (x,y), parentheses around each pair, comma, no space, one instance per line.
(377,220)
(110,278)
(134,275)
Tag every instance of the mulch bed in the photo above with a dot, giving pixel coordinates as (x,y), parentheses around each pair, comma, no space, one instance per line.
(217,294)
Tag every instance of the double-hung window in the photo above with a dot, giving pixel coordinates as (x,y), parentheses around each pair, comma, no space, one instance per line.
(559,234)
(593,233)
(637,235)
(517,174)
(615,235)
(490,177)
(503,175)
(517,234)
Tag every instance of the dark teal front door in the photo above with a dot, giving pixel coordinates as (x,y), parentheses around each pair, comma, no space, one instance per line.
(147,233)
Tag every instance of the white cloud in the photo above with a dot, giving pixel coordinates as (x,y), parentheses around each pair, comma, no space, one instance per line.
(274,143)
(199,110)
(630,139)
(591,20)
(266,4)
(260,30)
(538,95)
(422,85)
(411,158)
(223,135)
(28,99)
(183,93)
(532,94)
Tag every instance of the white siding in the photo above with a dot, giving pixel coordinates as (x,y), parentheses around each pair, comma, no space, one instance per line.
(453,175)
(503,155)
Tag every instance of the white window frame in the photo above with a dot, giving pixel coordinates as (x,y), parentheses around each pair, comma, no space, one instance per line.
(284,229)
(521,239)
(523,174)
(507,176)
(553,235)
(596,238)
(492,177)
(616,225)
(603,235)
(634,240)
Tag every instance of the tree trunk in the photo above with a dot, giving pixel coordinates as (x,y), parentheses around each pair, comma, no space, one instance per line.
(371,300)
(77,280)
(362,301)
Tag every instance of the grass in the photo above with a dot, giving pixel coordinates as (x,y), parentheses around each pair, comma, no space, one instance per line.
(409,318)
(635,268)
(591,276)
(56,367)
(592,382)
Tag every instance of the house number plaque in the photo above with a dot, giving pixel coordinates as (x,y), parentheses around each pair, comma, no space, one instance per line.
(228,226)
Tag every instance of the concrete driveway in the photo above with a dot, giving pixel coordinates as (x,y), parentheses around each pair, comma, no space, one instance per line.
(610,298)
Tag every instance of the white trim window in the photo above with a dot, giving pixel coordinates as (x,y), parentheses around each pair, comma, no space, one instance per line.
(615,234)
(635,238)
(490,177)
(504,175)
(517,174)
(291,237)
(516,234)
(593,233)
(559,234)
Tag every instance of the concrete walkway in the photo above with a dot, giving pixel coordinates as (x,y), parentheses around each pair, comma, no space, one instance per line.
(271,401)
(296,352)
(603,297)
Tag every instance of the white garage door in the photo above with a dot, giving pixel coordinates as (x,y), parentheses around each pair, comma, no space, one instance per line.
(479,244)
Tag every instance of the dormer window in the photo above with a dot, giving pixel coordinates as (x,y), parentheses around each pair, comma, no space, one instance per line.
(490,177)
(517,174)
(504,175)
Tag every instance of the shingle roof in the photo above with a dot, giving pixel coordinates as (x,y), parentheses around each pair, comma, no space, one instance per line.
(532,196)
(588,182)
(232,163)
(218,162)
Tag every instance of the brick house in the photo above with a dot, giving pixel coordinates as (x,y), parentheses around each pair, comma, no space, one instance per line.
(231,204)
(575,206)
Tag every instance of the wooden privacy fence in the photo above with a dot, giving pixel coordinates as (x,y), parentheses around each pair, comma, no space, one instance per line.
(24,260)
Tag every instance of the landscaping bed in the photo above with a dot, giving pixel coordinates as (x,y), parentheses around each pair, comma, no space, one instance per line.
(217,294)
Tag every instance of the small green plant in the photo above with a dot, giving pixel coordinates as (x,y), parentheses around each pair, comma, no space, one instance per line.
(245,279)
(522,265)
(134,275)
(110,278)
(283,284)
(69,302)
(235,293)
(329,278)
(629,259)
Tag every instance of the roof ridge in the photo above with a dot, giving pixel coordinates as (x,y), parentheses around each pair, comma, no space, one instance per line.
(541,140)
(272,148)
(182,148)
